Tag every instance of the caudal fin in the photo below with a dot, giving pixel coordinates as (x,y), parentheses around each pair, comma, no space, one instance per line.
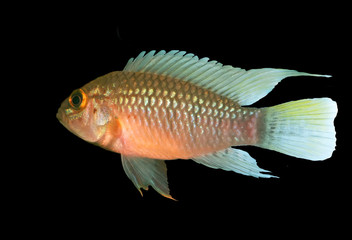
(303,129)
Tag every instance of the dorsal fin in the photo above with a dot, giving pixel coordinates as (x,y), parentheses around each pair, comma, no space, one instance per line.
(244,87)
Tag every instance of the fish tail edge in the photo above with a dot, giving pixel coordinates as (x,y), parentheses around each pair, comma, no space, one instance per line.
(303,129)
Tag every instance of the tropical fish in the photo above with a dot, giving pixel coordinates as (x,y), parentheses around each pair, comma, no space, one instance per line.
(173,105)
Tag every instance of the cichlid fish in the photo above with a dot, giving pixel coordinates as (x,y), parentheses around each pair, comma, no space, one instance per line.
(173,105)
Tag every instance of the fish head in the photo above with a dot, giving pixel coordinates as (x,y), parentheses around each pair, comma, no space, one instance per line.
(83,115)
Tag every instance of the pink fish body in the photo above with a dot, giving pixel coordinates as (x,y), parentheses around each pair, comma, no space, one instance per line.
(173,105)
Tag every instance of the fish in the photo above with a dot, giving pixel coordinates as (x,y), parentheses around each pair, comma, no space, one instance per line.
(175,105)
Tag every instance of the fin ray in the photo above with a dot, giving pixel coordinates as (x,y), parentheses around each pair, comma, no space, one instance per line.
(235,160)
(144,172)
(302,128)
(244,87)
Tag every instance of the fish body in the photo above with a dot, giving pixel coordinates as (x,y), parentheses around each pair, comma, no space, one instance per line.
(167,118)
(169,106)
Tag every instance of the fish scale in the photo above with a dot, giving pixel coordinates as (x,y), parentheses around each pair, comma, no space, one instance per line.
(174,115)
(173,105)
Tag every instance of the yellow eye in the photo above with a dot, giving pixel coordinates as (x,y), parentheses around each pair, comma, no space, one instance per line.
(78,99)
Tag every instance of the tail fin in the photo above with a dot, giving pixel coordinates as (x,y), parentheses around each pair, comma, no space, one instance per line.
(303,129)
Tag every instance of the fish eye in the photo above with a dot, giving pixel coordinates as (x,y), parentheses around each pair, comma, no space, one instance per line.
(78,99)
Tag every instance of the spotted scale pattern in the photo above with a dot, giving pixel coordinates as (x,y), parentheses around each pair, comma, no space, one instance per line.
(168,118)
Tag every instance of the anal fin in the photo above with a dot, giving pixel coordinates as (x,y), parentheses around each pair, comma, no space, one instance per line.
(234,160)
(144,172)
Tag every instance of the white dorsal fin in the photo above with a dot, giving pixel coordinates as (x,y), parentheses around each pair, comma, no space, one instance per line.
(244,87)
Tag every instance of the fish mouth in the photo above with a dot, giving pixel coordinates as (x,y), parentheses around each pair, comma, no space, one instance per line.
(60,116)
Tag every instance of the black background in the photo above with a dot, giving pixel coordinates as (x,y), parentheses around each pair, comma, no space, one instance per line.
(73,186)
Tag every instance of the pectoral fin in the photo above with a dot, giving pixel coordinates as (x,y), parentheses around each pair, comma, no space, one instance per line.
(144,172)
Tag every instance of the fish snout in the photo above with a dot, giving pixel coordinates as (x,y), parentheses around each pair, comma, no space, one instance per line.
(60,115)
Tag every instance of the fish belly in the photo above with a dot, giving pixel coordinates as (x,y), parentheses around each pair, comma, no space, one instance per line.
(167,118)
